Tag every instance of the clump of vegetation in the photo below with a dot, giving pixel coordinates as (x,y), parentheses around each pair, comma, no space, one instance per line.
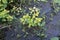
(5,17)
(4,14)
(31,19)
(17,11)
(55,6)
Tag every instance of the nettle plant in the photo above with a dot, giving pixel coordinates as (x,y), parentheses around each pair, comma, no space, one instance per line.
(31,19)
(4,14)
(5,17)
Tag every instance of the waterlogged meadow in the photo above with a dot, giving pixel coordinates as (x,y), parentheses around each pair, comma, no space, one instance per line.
(29,19)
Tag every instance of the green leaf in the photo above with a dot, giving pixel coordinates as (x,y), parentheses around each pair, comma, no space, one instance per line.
(3,5)
(56,1)
(4,1)
(55,38)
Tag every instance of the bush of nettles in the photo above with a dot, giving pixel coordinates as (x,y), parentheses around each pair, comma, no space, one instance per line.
(4,14)
(31,19)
